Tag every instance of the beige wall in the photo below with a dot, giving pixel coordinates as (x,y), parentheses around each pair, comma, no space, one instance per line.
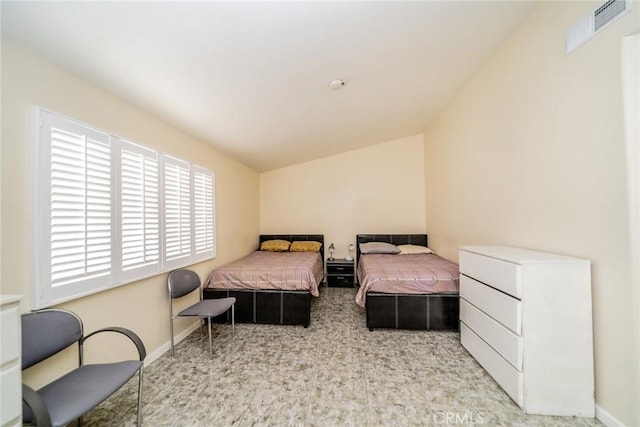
(379,189)
(141,306)
(631,85)
(531,153)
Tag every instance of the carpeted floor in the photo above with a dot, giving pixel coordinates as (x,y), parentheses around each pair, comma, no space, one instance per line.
(334,373)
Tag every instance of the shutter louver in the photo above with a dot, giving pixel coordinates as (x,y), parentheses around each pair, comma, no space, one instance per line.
(140,223)
(204,221)
(177,210)
(80,204)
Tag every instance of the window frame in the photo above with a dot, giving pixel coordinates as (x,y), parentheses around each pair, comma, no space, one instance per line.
(44,293)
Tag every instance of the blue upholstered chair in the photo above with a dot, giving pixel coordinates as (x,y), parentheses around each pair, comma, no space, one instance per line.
(47,332)
(182,282)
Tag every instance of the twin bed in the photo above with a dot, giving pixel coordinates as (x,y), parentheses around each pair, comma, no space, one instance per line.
(271,287)
(401,291)
(412,291)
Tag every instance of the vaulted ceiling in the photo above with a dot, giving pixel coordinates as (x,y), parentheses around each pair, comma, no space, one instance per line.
(252,78)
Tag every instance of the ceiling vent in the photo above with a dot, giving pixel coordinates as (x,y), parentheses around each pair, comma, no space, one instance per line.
(610,11)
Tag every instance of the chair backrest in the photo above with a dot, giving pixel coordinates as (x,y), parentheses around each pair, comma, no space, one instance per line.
(181,282)
(46,332)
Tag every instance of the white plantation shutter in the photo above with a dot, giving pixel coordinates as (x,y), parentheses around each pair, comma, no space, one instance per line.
(76,218)
(109,211)
(203,213)
(177,211)
(139,211)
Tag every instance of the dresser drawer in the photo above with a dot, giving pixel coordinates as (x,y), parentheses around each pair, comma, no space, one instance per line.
(501,275)
(497,305)
(340,281)
(11,402)
(10,338)
(509,378)
(501,339)
(339,269)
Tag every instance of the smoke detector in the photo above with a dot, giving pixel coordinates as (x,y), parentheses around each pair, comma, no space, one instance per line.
(336,84)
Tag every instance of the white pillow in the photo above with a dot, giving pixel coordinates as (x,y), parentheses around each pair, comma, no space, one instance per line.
(414,249)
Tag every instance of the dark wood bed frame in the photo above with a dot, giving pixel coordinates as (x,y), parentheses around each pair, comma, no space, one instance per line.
(408,311)
(275,307)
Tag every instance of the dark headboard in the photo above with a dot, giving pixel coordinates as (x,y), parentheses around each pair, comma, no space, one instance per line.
(296,238)
(396,239)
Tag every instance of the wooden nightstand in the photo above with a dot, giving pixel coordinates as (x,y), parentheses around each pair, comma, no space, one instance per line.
(340,273)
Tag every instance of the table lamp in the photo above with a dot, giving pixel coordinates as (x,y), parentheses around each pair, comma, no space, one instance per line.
(351,248)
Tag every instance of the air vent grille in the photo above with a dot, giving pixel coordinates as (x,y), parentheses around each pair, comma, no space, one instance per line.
(610,11)
(607,13)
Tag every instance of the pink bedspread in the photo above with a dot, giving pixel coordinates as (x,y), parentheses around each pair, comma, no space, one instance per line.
(406,274)
(294,271)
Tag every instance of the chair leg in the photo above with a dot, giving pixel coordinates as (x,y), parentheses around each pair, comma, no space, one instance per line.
(233,320)
(173,353)
(139,418)
(210,351)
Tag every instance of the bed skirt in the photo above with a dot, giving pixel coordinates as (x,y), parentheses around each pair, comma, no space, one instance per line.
(412,311)
(272,307)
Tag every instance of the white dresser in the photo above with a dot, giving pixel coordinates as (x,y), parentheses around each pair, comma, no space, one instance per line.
(526,318)
(10,365)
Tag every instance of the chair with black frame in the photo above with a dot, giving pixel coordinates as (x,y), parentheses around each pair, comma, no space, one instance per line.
(68,398)
(181,283)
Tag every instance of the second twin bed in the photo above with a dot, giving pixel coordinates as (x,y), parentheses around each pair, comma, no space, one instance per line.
(404,285)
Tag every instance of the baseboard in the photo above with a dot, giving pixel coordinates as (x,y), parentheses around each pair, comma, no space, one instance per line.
(156,354)
(606,418)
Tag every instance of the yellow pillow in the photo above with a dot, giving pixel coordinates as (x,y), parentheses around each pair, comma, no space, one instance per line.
(305,246)
(275,245)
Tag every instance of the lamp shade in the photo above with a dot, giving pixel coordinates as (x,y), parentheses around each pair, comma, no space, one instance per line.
(351,248)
